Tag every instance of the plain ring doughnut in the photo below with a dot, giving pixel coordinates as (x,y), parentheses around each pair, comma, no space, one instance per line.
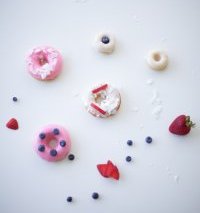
(157,60)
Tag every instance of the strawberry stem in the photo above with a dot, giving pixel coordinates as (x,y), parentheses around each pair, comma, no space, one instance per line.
(188,122)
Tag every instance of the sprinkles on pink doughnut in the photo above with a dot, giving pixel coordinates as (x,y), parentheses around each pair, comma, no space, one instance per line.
(44,63)
(57,150)
(103,101)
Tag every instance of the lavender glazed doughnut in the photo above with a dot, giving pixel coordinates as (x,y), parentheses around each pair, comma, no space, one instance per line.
(59,149)
(44,63)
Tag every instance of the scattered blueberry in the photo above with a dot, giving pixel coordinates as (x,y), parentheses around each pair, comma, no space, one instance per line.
(42,136)
(95,195)
(62,143)
(128,158)
(71,157)
(15,99)
(53,152)
(56,131)
(105,40)
(130,142)
(69,199)
(148,139)
(41,148)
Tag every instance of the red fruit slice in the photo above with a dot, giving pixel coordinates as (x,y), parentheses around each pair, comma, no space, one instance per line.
(102,169)
(98,108)
(115,173)
(12,124)
(108,170)
(100,88)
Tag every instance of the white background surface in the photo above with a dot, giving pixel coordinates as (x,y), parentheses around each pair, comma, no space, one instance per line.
(30,184)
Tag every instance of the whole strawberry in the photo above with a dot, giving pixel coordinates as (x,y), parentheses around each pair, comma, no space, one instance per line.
(181,125)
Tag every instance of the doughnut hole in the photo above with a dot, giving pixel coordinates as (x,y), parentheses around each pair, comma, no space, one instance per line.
(40,59)
(100,97)
(156,57)
(52,141)
(52,144)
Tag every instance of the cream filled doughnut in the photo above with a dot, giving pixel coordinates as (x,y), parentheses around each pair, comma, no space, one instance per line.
(104,43)
(157,60)
(44,63)
(52,143)
(103,101)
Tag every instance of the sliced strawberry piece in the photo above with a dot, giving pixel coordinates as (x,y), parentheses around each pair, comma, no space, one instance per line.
(98,108)
(12,124)
(99,88)
(102,169)
(110,168)
(115,173)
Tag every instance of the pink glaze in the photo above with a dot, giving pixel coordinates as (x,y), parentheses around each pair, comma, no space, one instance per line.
(61,151)
(44,63)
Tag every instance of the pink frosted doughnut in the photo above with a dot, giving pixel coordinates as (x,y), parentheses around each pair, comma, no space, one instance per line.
(44,63)
(56,151)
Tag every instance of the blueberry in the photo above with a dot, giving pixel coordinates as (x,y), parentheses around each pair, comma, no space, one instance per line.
(62,143)
(41,148)
(42,136)
(56,131)
(95,195)
(71,157)
(14,99)
(105,40)
(148,139)
(69,199)
(53,152)
(130,142)
(128,158)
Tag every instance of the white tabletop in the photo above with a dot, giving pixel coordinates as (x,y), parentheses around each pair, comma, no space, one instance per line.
(164,176)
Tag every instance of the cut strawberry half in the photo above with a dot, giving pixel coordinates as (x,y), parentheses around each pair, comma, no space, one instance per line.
(12,124)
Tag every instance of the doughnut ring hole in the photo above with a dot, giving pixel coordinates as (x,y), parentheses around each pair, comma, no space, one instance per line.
(99,98)
(52,143)
(42,60)
(156,57)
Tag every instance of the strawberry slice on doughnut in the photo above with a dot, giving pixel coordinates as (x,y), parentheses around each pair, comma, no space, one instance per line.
(103,87)
(98,108)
